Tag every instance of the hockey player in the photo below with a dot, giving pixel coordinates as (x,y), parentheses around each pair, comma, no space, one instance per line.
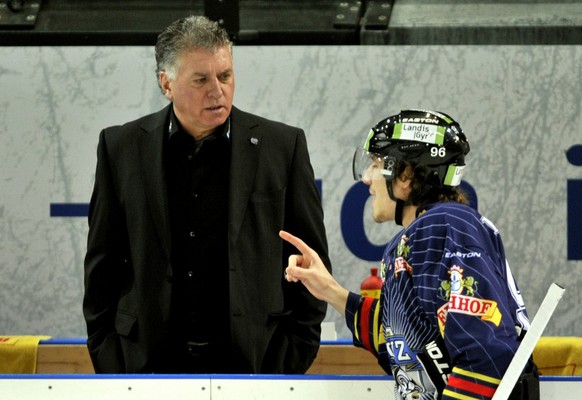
(450,317)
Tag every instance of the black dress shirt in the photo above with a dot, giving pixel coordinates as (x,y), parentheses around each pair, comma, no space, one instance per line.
(197,174)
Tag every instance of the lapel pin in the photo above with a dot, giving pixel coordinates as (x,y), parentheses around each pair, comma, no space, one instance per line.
(254,141)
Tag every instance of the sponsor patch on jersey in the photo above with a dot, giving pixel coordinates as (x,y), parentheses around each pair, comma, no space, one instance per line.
(466,303)
(456,284)
(401,265)
(403,248)
(400,353)
(487,310)
(458,254)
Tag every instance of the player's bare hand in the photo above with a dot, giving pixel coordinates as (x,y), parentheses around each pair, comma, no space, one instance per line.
(308,268)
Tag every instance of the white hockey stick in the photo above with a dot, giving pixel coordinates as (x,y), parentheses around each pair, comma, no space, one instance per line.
(529,342)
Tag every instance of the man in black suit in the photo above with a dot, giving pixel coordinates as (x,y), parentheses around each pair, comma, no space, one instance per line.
(184,271)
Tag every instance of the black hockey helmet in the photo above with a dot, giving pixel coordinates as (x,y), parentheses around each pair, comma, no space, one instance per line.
(419,137)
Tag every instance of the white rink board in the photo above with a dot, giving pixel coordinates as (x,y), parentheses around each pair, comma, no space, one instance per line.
(189,387)
(305,387)
(85,387)
(561,388)
(227,387)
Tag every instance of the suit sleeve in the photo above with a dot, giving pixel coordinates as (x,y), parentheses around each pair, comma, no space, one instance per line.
(105,263)
(304,218)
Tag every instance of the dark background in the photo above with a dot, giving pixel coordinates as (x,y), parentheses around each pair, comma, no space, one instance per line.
(296,22)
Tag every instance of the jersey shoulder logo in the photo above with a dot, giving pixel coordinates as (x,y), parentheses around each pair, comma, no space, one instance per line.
(402,252)
(457,283)
(467,303)
(403,248)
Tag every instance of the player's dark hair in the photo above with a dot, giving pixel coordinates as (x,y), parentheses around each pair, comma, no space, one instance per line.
(424,192)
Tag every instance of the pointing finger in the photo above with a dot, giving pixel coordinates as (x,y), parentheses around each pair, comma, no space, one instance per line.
(295,241)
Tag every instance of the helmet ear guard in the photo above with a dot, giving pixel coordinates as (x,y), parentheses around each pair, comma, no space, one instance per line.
(454,175)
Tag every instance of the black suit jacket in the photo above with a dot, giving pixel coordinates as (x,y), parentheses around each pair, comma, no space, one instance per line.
(275,325)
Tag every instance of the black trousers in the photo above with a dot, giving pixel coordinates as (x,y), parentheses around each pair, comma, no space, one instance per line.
(193,358)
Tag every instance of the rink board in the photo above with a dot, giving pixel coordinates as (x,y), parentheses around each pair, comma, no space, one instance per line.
(227,387)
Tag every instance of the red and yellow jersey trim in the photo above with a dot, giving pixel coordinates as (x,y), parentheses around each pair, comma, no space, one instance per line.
(366,317)
(467,385)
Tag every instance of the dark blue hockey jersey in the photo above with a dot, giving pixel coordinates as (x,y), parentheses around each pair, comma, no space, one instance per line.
(450,313)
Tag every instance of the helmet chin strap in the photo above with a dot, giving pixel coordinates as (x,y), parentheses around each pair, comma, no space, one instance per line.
(399,204)
(398,214)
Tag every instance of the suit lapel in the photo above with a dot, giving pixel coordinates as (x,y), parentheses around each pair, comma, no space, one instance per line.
(246,142)
(151,144)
